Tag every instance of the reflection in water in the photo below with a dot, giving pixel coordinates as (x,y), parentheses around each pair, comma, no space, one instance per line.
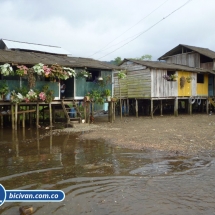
(100,179)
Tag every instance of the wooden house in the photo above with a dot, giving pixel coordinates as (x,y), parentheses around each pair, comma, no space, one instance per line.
(157,84)
(28,54)
(195,57)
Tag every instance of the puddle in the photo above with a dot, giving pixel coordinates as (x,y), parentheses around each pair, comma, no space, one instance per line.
(100,179)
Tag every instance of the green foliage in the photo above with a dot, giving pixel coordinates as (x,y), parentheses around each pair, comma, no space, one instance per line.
(103,83)
(83,74)
(4,89)
(121,74)
(144,57)
(23,90)
(106,92)
(49,94)
(117,60)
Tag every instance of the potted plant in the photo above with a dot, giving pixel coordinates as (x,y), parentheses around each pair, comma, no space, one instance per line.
(4,89)
(107,94)
(189,79)
(172,77)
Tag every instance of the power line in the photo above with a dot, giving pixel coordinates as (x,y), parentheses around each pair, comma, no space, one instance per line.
(129,29)
(146,29)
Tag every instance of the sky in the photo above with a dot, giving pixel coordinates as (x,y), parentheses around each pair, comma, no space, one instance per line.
(106,29)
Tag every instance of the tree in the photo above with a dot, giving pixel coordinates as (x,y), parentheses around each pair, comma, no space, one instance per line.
(144,57)
(117,60)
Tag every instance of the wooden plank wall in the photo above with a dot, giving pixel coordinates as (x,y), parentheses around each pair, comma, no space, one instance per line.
(208,65)
(162,87)
(137,84)
(191,59)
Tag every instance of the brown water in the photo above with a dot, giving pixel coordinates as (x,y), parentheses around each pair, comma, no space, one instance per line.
(100,179)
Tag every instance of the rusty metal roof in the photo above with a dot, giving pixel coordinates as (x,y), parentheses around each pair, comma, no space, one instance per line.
(204,51)
(168,66)
(10,44)
(32,58)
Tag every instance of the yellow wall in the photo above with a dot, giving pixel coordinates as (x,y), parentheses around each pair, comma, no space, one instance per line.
(186,90)
(202,89)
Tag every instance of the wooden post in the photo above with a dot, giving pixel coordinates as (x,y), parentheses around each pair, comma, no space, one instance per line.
(136,107)
(88,112)
(23,120)
(152,109)
(161,108)
(16,110)
(189,108)
(207,106)
(12,116)
(128,107)
(114,111)
(50,140)
(176,106)
(37,115)
(53,114)
(85,112)
(109,111)
(50,114)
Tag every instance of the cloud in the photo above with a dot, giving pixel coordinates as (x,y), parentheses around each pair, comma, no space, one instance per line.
(86,27)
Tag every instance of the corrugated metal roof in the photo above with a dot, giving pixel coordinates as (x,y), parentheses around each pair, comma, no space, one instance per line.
(168,66)
(204,51)
(35,47)
(32,58)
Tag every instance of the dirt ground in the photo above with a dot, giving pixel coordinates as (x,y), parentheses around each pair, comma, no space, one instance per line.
(184,134)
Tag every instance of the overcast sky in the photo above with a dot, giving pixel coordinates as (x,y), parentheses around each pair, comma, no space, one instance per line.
(95,28)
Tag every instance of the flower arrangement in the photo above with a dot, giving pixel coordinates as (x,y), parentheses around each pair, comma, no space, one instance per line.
(84,74)
(6,69)
(38,68)
(42,96)
(16,97)
(70,72)
(46,95)
(47,71)
(22,70)
(170,77)
(31,96)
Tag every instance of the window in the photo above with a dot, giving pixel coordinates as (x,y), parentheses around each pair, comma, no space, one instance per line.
(94,76)
(169,73)
(200,78)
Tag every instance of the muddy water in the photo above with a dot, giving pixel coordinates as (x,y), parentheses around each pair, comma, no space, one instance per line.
(100,179)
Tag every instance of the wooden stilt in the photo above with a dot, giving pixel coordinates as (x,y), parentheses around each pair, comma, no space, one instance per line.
(189,108)
(111,112)
(2,124)
(136,107)
(152,109)
(23,120)
(12,116)
(38,142)
(50,141)
(85,112)
(114,111)
(176,107)
(161,108)
(37,115)
(53,113)
(125,107)
(50,114)
(16,110)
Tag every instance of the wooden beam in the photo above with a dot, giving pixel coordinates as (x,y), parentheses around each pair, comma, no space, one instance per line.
(16,110)
(128,107)
(37,115)
(152,111)
(176,106)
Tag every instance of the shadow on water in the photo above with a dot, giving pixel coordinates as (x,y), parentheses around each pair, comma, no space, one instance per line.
(100,179)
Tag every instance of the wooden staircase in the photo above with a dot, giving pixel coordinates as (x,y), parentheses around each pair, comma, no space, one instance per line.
(211,101)
(68,112)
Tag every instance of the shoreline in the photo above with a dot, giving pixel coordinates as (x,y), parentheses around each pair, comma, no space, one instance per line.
(184,135)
